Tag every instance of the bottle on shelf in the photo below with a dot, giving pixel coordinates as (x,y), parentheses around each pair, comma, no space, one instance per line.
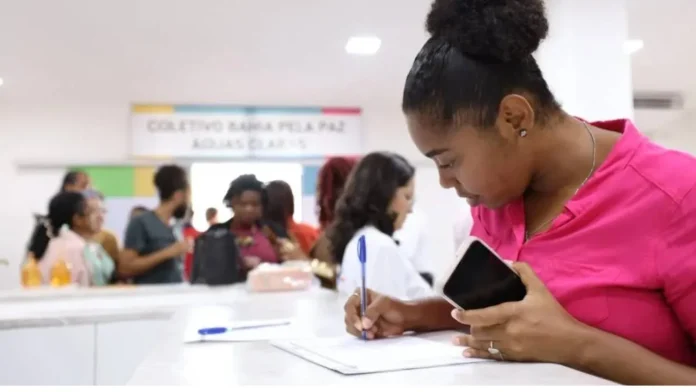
(60,274)
(31,274)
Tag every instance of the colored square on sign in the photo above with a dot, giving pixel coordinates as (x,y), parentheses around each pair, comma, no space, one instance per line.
(152,109)
(310,174)
(145,182)
(112,181)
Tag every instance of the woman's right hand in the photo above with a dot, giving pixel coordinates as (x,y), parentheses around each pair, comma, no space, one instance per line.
(384,316)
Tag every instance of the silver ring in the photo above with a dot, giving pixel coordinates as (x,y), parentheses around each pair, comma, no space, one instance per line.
(494,351)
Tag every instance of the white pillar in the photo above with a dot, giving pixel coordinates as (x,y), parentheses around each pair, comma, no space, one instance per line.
(583,59)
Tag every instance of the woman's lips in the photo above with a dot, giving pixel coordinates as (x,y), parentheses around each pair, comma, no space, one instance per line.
(472,200)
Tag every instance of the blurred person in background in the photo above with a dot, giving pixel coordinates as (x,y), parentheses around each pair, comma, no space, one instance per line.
(73,181)
(136,211)
(415,244)
(104,237)
(152,254)
(73,222)
(331,179)
(258,240)
(462,226)
(190,234)
(280,210)
(375,203)
(211,216)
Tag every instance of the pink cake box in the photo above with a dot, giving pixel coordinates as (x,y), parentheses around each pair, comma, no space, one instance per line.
(290,276)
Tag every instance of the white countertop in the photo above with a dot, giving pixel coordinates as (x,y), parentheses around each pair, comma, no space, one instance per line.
(176,363)
(66,306)
(74,292)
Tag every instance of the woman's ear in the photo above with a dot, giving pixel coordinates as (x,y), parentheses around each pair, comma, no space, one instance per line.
(515,116)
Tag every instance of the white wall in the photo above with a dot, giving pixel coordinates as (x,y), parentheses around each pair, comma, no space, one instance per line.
(674,129)
(47,132)
(584,86)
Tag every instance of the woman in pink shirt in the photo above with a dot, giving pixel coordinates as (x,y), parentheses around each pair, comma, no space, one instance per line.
(604,220)
(73,222)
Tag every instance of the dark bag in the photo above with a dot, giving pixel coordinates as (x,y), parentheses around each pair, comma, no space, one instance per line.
(216,259)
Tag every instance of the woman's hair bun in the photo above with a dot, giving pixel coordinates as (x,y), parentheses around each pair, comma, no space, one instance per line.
(492,30)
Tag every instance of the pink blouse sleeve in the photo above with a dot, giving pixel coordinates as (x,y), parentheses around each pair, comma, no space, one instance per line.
(71,253)
(676,263)
(79,272)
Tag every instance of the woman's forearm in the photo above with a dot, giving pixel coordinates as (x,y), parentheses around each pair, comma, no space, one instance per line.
(432,314)
(620,360)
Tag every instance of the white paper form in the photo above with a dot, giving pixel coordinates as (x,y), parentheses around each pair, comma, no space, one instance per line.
(248,331)
(349,355)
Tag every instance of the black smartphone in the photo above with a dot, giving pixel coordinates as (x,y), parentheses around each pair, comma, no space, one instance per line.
(481,279)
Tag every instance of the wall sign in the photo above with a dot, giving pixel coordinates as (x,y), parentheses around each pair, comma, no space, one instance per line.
(241,132)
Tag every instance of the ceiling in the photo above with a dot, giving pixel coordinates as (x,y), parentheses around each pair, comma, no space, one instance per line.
(86,50)
(168,49)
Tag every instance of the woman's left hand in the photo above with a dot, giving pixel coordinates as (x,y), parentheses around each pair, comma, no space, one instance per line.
(534,329)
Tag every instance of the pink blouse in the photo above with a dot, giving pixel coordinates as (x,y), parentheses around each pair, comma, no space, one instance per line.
(69,247)
(255,244)
(622,255)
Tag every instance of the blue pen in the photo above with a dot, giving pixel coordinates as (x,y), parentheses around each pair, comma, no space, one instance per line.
(221,330)
(362,256)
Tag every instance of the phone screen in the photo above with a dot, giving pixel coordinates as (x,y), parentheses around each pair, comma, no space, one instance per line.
(481,279)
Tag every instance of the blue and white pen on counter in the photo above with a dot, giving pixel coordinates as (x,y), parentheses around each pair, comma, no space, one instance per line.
(362,256)
(241,326)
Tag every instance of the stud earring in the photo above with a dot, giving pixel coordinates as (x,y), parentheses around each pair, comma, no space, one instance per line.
(523,132)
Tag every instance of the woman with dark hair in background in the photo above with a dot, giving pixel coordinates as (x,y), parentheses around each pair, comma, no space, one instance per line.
(73,181)
(72,224)
(375,202)
(332,176)
(330,181)
(280,210)
(605,218)
(259,241)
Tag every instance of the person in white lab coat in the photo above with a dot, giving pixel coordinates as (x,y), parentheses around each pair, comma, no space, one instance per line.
(375,202)
(415,245)
(462,225)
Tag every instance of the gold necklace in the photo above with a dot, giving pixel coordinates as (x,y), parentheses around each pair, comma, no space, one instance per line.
(529,233)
